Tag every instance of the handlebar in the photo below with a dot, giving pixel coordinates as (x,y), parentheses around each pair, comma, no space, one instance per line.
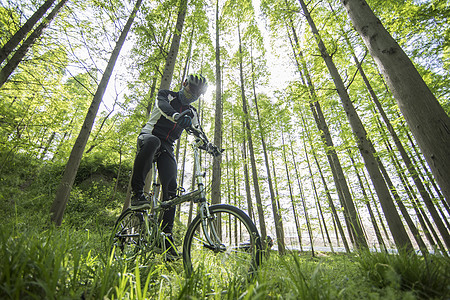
(203,143)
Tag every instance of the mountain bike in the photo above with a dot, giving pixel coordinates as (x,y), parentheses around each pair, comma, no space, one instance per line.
(221,240)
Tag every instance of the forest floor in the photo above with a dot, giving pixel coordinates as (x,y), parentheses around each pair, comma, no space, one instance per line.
(65,263)
(40,261)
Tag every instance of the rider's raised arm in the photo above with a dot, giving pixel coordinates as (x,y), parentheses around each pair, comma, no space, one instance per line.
(196,123)
(163,103)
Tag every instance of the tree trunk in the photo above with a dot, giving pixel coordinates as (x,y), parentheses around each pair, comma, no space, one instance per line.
(320,215)
(65,186)
(355,230)
(412,170)
(333,209)
(152,92)
(291,193)
(174,46)
(15,40)
(23,49)
(276,214)
(247,179)
(47,145)
(247,130)
(411,194)
(216,170)
(302,197)
(259,205)
(401,238)
(426,118)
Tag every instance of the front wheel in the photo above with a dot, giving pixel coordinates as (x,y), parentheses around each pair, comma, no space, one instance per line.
(236,248)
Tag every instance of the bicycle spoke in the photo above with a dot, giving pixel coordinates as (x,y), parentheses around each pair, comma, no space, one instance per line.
(129,236)
(225,258)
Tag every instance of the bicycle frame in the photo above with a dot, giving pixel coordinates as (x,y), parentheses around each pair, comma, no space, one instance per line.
(197,196)
(138,232)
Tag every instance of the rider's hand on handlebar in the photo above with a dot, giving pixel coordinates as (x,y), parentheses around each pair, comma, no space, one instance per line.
(214,150)
(183,119)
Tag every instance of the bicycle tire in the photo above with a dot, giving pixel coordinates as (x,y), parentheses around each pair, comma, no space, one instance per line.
(129,236)
(240,255)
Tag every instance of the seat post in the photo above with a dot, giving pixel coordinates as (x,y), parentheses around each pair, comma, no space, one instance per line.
(156,185)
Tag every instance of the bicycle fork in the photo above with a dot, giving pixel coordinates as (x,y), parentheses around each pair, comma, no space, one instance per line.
(209,229)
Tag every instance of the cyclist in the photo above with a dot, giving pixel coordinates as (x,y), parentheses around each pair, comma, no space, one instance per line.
(171,115)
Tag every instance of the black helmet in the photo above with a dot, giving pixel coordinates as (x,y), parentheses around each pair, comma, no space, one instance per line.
(197,83)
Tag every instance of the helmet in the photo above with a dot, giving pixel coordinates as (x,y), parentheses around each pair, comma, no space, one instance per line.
(197,84)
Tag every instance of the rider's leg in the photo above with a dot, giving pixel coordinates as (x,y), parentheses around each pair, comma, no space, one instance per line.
(167,168)
(147,146)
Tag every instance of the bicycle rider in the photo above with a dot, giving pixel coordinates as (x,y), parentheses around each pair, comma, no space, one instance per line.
(172,113)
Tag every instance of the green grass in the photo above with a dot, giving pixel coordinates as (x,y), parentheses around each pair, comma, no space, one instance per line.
(39,261)
(63,263)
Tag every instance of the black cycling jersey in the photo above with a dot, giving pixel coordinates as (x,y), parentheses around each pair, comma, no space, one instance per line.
(162,123)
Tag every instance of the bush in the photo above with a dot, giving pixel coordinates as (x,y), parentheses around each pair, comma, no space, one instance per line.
(28,188)
(426,276)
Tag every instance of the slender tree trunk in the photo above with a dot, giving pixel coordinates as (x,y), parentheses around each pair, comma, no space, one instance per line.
(216,170)
(47,145)
(333,209)
(116,185)
(291,193)
(355,230)
(372,197)
(366,200)
(23,49)
(319,206)
(246,178)
(302,197)
(152,92)
(182,172)
(276,214)
(411,194)
(174,46)
(426,118)
(279,222)
(236,187)
(247,130)
(15,40)
(401,238)
(427,172)
(97,135)
(412,170)
(65,186)
(191,204)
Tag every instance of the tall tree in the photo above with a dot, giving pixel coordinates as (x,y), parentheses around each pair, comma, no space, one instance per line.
(353,226)
(25,47)
(279,231)
(248,134)
(426,118)
(15,40)
(291,192)
(174,46)
(411,168)
(216,175)
(62,194)
(365,147)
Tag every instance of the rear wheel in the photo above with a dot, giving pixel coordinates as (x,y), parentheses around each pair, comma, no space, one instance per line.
(130,237)
(236,249)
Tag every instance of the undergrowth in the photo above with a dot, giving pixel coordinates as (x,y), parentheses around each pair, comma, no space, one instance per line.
(65,263)
(39,261)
